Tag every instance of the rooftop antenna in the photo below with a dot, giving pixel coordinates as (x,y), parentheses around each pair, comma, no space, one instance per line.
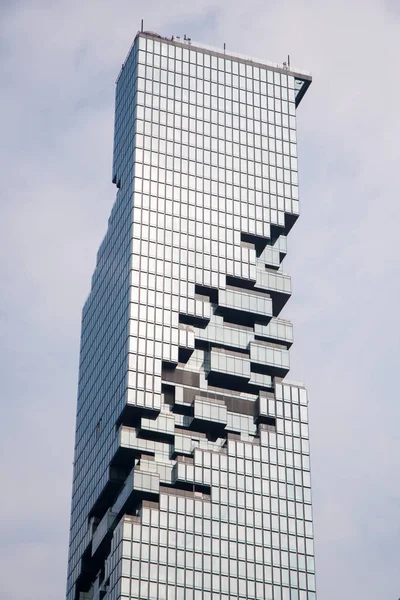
(288,60)
(142,26)
(224,47)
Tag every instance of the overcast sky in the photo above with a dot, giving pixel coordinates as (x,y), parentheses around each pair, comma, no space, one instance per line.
(58,64)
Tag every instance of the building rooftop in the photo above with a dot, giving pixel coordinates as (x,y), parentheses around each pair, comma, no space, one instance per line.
(285,67)
(302,78)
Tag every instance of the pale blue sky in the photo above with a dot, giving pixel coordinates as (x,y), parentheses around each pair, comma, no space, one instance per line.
(58,64)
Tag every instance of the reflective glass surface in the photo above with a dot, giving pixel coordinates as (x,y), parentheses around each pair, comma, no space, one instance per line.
(191,469)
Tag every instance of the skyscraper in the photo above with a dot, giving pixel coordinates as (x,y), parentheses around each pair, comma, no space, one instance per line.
(191,469)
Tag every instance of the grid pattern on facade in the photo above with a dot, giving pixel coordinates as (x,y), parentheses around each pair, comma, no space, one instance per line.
(191,475)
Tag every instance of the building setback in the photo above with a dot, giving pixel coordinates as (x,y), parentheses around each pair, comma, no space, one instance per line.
(191,470)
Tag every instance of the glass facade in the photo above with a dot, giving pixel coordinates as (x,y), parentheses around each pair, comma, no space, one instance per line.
(191,468)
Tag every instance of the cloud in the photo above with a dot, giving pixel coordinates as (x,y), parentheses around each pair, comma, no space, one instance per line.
(58,67)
